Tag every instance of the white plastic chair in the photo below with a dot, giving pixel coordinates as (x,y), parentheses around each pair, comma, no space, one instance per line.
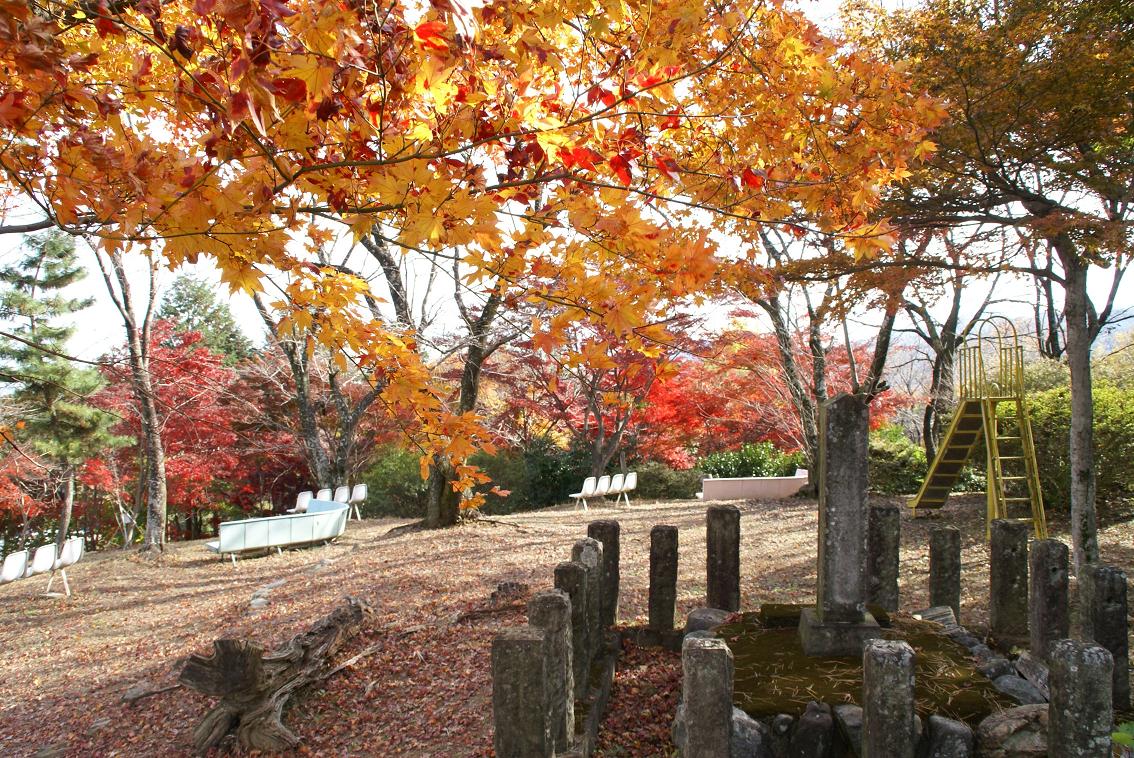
(15,566)
(358,496)
(43,560)
(629,485)
(342,494)
(72,551)
(301,501)
(588,491)
(616,484)
(603,486)
(324,494)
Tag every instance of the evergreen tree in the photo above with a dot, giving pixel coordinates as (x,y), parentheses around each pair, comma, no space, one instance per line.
(51,389)
(191,304)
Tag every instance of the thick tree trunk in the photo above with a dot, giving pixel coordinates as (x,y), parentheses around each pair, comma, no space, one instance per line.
(802,398)
(154,539)
(1084,527)
(65,511)
(443,505)
(940,398)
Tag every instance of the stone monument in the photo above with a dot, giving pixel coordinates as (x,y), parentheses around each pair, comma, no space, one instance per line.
(839,625)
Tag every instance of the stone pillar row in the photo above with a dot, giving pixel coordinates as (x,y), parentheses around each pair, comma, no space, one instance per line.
(541,669)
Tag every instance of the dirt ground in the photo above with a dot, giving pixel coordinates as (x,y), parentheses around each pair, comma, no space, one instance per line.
(424,688)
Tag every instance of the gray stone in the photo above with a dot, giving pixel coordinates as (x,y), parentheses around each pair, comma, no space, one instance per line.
(606,531)
(836,639)
(750,738)
(663,577)
(1081,712)
(888,700)
(883,538)
(1014,733)
(704,619)
(962,636)
(843,444)
(520,703)
(722,557)
(571,577)
(996,667)
(946,738)
(782,726)
(814,733)
(1048,619)
(259,602)
(945,569)
(1019,689)
(1103,613)
(677,731)
(551,612)
(848,719)
(588,552)
(839,624)
(1035,671)
(702,634)
(1008,580)
(707,672)
(943,615)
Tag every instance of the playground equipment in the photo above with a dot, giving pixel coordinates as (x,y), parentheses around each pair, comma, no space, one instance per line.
(990,409)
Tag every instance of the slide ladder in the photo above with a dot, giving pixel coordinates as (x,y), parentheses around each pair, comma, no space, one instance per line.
(991,413)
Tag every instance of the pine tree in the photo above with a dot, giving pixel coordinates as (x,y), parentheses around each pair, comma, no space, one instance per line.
(191,304)
(51,389)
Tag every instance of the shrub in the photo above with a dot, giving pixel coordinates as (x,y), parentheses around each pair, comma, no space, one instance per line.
(1113,436)
(896,464)
(658,481)
(536,476)
(752,459)
(394,483)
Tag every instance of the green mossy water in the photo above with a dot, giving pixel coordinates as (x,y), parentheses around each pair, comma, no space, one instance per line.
(773,675)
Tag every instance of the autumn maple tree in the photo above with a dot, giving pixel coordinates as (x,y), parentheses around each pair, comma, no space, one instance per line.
(588,149)
(1039,146)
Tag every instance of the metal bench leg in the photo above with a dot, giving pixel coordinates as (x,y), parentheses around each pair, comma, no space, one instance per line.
(233,557)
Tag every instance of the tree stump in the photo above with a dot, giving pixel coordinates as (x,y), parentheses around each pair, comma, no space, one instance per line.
(254,686)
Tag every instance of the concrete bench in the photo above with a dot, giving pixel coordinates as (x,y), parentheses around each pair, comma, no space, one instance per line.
(753,487)
(324,520)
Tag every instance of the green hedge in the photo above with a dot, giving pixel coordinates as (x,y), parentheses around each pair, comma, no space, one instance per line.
(752,459)
(1114,444)
(657,481)
(897,465)
(394,483)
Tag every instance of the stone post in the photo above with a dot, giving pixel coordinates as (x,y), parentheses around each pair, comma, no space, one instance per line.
(706,693)
(663,577)
(722,557)
(839,624)
(589,553)
(1008,579)
(606,532)
(520,694)
(1103,612)
(1080,714)
(883,539)
(571,577)
(551,612)
(945,569)
(1048,618)
(888,700)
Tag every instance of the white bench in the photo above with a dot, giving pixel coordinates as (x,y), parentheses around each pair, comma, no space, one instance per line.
(42,560)
(324,520)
